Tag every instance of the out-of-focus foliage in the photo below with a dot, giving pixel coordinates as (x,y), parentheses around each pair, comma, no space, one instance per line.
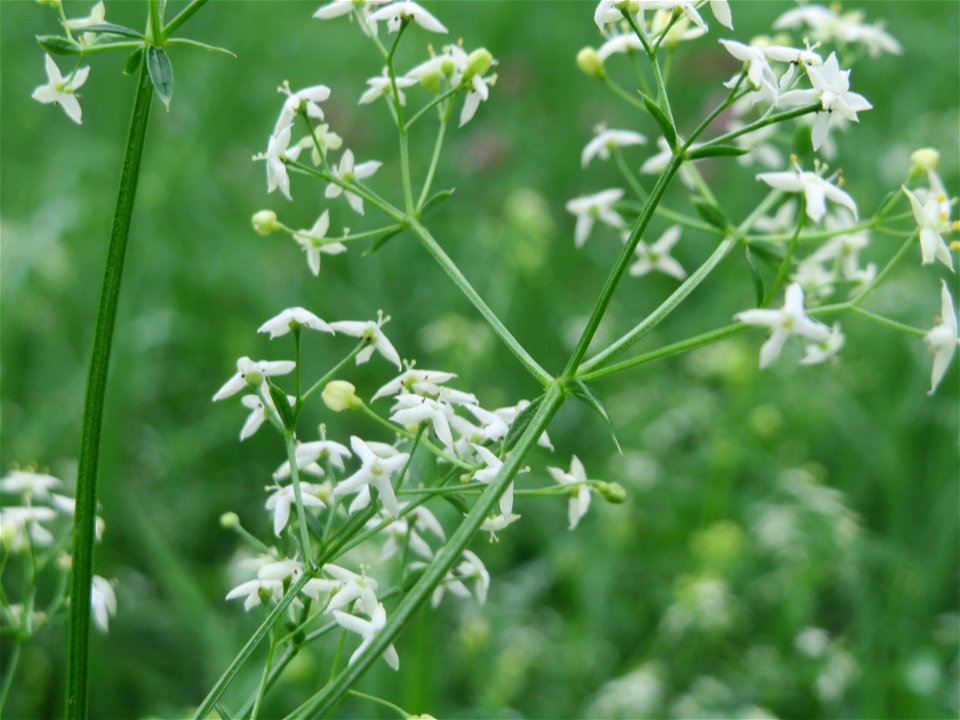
(789,546)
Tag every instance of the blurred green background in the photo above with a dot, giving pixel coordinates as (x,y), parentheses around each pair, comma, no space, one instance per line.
(790,544)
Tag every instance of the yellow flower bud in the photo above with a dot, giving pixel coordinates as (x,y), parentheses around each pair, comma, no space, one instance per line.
(265,222)
(923,160)
(590,63)
(229,520)
(340,395)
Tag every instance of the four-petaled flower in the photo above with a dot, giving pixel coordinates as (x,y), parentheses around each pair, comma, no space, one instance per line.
(368,629)
(370,331)
(590,208)
(816,190)
(933,219)
(252,373)
(62,90)
(657,256)
(943,339)
(348,173)
(377,469)
(608,140)
(580,490)
(284,498)
(397,12)
(103,602)
(314,242)
(788,320)
(293,319)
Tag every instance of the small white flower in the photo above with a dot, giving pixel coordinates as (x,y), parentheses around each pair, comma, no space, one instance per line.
(314,242)
(472,568)
(720,9)
(278,150)
(257,417)
(371,332)
(816,190)
(29,484)
(415,409)
(419,382)
(284,498)
(943,339)
(254,592)
(252,373)
(508,415)
(307,100)
(827,26)
(346,172)
(97,16)
(933,220)
(397,12)
(293,318)
(404,530)
(309,453)
(369,629)
(619,43)
(351,589)
(62,90)
(493,427)
(381,85)
(479,91)
(657,256)
(788,320)
(338,8)
(376,469)
(606,141)
(608,12)
(103,602)
(759,73)
(20,527)
(590,208)
(496,523)
(580,497)
(485,475)
(826,349)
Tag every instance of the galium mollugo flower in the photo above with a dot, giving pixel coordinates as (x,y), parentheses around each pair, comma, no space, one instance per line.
(305,101)
(253,374)
(942,339)
(62,90)
(606,141)
(368,629)
(657,256)
(395,13)
(103,602)
(580,496)
(414,409)
(419,382)
(379,463)
(278,150)
(816,190)
(788,320)
(284,497)
(590,208)
(29,484)
(309,453)
(404,530)
(352,589)
(828,26)
(293,319)
(315,243)
(371,332)
(347,172)
(381,85)
(933,220)
(492,466)
(820,352)
(618,43)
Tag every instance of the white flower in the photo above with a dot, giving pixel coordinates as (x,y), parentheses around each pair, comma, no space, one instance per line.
(103,602)
(284,498)
(479,91)
(256,591)
(372,333)
(404,531)
(415,409)
(590,208)
(619,43)
(678,31)
(97,16)
(62,90)
(376,469)
(258,414)
(314,242)
(828,26)
(826,349)
(472,568)
(496,523)
(369,629)
(933,219)
(29,484)
(397,12)
(382,85)
(278,150)
(350,588)
(252,373)
(788,320)
(494,428)
(420,382)
(816,190)
(307,100)
(307,454)
(338,8)
(943,338)
(509,414)
(485,475)
(20,527)
(607,141)
(759,73)
(720,9)
(607,12)
(346,172)
(657,256)
(580,495)
(291,319)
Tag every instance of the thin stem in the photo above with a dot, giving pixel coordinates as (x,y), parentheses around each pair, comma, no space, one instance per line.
(788,257)
(332,372)
(182,17)
(380,701)
(86,499)
(397,429)
(762,122)
(265,676)
(618,89)
(434,159)
(628,174)
(909,329)
(156,23)
(624,259)
(662,98)
(430,105)
(288,439)
(9,670)
(355,188)
(730,99)
(827,234)
(887,269)
(433,247)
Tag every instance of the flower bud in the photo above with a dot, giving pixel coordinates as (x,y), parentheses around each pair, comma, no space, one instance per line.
(340,395)
(229,520)
(265,222)
(478,62)
(590,62)
(923,160)
(611,492)
(431,81)
(55,4)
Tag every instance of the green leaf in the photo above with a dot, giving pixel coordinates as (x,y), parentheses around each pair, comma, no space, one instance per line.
(113,29)
(133,62)
(580,391)
(669,131)
(57,45)
(755,274)
(458,502)
(284,410)
(161,73)
(710,212)
(383,240)
(201,45)
(437,198)
(520,423)
(698,153)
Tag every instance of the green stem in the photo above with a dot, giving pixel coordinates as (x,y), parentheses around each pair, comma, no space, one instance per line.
(182,17)
(445,559)
(9,670)
(265,676)
(434,159)
(355,188)
(432,104)
(288,439)
(909,329)
(618,89)
(624,259)
(788,257)
(628,174)
(156,23)
(397,429)
(332,372)
(763,122)
(887,269)
(86,501)
(380,701)
(433,247)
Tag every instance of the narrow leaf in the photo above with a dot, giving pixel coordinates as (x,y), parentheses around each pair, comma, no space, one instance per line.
(57,45)
(698,153)
(710,212)
(113,29)
(161,73)
(582,393)
(755,274)
(284,410)
(438,198)
(520,423)
(133,62)
(201,45)
(458,502)
(383,240)
(669,131)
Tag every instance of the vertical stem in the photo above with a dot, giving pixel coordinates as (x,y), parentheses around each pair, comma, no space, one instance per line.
(291,446)
(86,503)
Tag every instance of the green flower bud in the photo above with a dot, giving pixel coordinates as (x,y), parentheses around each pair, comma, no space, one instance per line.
(265,222)
(55,4)
(611,492)
(590,63)
(229,520)
(340,395)
(924,160)
(431,81)
(478,62)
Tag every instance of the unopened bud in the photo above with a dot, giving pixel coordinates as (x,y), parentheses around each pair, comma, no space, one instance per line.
(478,62)
(340,395)
(923,160)
(431,81)
(611,492)
(265,222)
(229,520)
(590,62)
(55,4)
